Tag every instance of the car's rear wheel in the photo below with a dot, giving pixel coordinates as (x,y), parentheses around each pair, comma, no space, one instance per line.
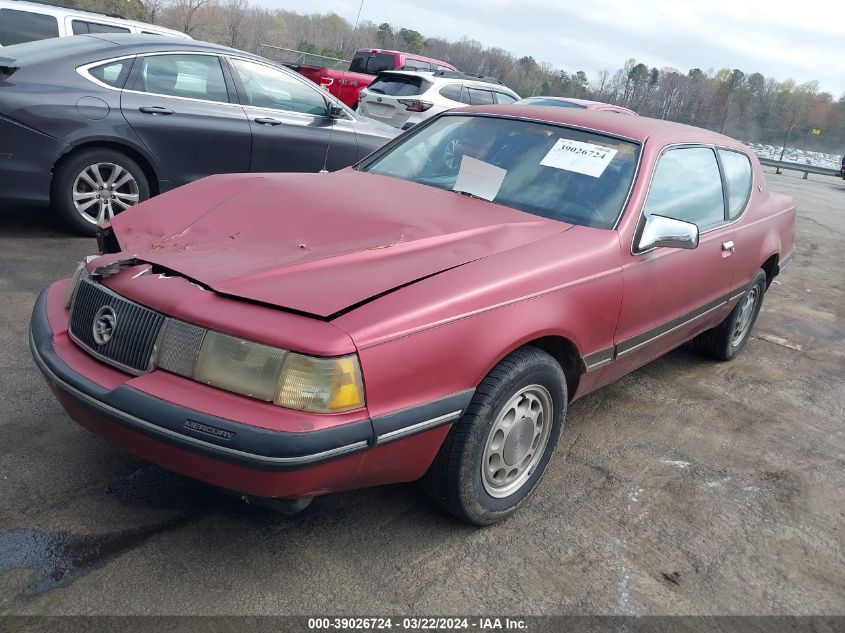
(94,185)
(495,455)
(729,338)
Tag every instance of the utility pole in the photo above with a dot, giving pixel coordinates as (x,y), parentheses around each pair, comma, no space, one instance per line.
(786,140)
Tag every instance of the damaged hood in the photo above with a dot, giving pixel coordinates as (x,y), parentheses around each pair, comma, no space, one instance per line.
(318,243)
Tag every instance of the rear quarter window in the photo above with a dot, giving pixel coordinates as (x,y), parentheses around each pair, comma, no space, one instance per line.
(17,27)
(452,92)
(737,170)
(113,74)
(398,86)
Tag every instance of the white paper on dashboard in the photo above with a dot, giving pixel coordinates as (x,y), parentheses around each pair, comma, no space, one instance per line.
(583,158)
(479,178)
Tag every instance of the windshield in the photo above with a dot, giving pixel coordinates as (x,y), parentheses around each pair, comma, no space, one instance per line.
(397,85)
(548,170)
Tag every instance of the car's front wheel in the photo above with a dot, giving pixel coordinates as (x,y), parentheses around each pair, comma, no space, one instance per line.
(729,338)
(495,455)
(94,185)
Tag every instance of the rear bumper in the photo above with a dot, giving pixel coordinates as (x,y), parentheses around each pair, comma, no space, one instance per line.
(236,455)
(26,162)
(397,118)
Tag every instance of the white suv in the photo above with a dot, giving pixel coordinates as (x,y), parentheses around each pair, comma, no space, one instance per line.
(404,98)
(22,21)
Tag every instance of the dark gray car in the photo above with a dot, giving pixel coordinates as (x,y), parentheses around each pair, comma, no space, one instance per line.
(93,124)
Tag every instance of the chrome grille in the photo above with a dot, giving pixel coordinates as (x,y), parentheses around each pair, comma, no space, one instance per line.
(135,331)
(178,347)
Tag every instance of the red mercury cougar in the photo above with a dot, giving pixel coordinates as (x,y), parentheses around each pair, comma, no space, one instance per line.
(429,313)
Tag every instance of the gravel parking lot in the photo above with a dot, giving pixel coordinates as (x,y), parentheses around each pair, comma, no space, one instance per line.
(689,487)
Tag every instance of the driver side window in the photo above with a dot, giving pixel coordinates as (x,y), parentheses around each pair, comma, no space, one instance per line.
(267,87)
(687,186)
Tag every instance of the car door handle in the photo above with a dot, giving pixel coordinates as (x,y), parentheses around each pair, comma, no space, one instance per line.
(728,246)
(155,110)
(267,121)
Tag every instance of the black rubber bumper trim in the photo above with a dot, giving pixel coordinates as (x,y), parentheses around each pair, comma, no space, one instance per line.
(224,439)
(394,426)
(641,340)
(189,429)
(597,360)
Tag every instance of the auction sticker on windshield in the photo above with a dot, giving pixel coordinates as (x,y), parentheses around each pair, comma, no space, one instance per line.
(479,178)
(583,158)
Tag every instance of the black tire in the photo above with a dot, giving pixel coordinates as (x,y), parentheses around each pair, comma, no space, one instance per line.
(72,166)
(455,480)
(720,342)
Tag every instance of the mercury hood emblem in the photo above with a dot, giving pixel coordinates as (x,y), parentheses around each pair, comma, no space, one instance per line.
(105,322)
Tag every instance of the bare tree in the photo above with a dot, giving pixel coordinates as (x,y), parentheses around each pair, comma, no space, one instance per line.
(602,81)
(153,9)
(186,12)
(235,12)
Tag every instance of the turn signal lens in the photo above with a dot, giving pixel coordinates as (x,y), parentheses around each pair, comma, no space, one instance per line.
(321,385)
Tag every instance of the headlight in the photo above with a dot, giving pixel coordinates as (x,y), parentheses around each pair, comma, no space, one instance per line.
(288,379)
(241,366)
(80,273)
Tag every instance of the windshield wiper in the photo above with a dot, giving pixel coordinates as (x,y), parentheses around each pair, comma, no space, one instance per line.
(471,195)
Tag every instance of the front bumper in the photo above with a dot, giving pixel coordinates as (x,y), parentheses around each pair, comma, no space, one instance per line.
(236,455)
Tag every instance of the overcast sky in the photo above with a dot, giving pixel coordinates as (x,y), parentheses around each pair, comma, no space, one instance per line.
(801,39)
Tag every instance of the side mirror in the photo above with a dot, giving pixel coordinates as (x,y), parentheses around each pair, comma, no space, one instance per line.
(334,111)
(662,231)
